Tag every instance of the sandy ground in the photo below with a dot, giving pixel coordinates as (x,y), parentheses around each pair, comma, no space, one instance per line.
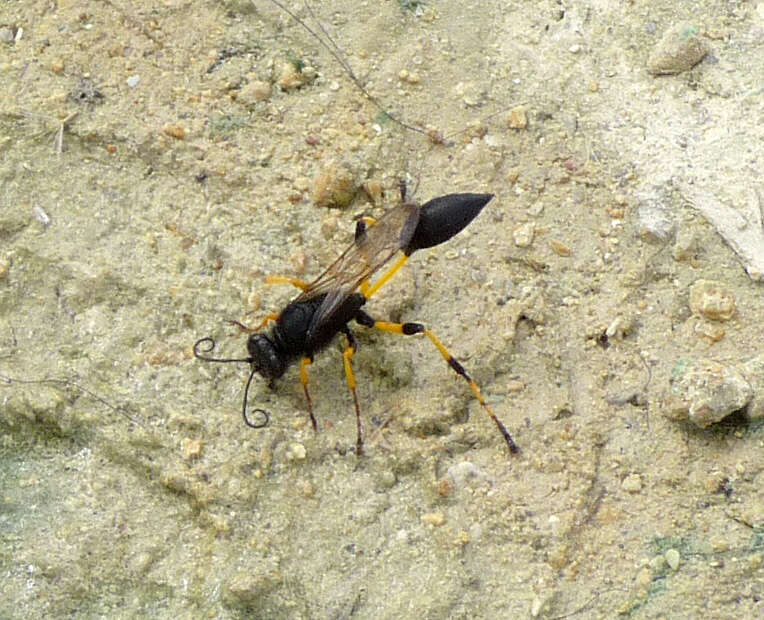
(153,171)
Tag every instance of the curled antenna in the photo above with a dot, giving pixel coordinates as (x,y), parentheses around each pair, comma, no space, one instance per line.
(207,344)
(210,342)
(266,417)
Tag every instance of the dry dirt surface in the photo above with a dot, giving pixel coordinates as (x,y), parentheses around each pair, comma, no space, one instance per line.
(158,159)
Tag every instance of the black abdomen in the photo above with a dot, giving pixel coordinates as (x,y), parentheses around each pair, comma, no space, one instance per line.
(443,217)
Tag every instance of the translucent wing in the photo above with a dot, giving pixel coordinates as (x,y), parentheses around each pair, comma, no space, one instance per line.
(369,251)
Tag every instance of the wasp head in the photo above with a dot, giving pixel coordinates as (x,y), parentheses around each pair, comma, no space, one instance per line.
(265,357)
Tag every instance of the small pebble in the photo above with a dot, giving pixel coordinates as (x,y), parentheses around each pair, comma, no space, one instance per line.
(713,332)
(436,519)
(559,248)
(254,92)
(335,186)
(620,327)
(753,371)
(632,483)
(296,452)
(715,482)
(246,588)
(712,300)
(176,131)
(719,545)
(559,557)
(654,216)
(288,76)
(192,448)
(302,183)
(518,118)
(523,234)
(644,577)
(679,49)
(470,93)
(175,480)
(41,216)
(658,564)
(141,563)
(446,486)
(386,479)
(460,473)
(307,488)
(411,78)
(542,607)
(133,81)
(685,244)
(705,391)
(672,558)
(299,260)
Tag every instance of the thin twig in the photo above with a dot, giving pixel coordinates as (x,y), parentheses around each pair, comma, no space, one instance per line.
(336,53)
(69,382)
(60,135)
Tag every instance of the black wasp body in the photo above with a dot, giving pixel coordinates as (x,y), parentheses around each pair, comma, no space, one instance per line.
(295,336)
(327,305)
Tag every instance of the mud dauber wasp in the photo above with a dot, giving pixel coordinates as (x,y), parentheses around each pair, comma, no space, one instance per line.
(327,304)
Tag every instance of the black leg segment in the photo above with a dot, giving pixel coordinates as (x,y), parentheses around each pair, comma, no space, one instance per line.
(347,356)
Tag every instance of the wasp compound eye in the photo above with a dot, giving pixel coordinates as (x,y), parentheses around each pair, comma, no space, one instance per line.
(266,356)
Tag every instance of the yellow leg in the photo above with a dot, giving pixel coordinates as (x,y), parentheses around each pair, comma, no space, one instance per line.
(287,280)
(347,356)
(307,361)
(410,329)
(270,318)
(252,330)
(368,290)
